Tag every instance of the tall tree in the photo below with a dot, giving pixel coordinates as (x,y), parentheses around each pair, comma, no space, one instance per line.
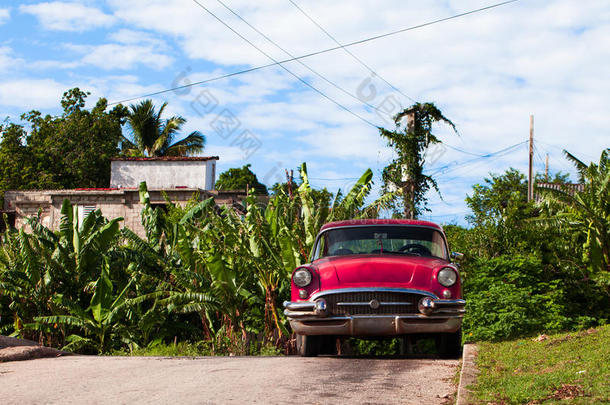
(154,135)
(240,179)
(405,174)
(68,151)
(16,165)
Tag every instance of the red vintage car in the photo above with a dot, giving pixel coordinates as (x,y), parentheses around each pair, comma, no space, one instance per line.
(372,278)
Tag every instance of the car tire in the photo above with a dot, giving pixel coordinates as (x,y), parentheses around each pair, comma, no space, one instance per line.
(406,345)
(328,345)
(308,346)
(449,345)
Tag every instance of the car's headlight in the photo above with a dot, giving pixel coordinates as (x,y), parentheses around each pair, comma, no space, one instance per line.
(302,277)
(447,277)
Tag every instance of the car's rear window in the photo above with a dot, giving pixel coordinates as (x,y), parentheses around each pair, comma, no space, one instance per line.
(397,239)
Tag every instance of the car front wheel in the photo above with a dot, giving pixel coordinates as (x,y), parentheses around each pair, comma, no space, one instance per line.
(449,345)
(308,346)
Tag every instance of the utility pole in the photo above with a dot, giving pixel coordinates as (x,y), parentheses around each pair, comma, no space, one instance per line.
(408,188)
(530,178)
(546,169)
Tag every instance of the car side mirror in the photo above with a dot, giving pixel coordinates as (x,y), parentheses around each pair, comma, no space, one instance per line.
(457,256)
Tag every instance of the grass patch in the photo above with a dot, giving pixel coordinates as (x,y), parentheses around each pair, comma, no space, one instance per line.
(567,368)
(187,349)
(197,349)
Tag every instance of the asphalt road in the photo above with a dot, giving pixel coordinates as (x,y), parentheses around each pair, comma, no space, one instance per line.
(226,380)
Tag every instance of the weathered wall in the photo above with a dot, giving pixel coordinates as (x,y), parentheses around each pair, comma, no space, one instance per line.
(163,173)
(112,203)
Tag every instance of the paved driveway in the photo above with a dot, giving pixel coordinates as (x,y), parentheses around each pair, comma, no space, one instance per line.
(226,380)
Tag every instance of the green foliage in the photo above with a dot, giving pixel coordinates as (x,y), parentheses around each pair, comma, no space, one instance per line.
(73,150)
(522,274)
(240,179)
(372,347)
(406,172)
(512,296)
(586,213)
(155,136)
(200,273)
(69,151)
(44,272)
(16,163)
(207,274)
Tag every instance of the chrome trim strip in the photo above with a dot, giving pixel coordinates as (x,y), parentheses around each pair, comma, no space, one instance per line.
(449,302)
(348,304)
(316,310)
(352,317)
(374,289)
(300,305)
(375,326)
(450,311)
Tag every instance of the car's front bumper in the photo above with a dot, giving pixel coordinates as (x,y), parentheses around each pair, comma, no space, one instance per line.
(374,325)
(434,316)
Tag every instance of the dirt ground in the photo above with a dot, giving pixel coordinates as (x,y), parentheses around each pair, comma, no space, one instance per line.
(227,380)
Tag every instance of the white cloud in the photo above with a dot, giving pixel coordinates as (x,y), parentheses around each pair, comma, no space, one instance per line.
(7,61)
(487,72)
(115,56)
(63,16)
(54,64)
(132,37)
(109,57)
(28,94)
(5,15)
(229,155)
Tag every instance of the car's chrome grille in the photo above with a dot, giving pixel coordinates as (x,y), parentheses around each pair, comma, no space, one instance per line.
(359,303)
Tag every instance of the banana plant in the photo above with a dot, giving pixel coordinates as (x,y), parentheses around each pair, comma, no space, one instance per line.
(98,323)
(26,280)
(40,264)
(586,212)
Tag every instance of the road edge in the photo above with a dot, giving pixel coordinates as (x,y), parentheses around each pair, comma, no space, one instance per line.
(468,374)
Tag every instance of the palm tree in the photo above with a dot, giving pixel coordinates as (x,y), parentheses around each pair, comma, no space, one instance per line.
(154,136)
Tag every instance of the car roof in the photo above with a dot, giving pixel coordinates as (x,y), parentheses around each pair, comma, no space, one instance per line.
(360,222)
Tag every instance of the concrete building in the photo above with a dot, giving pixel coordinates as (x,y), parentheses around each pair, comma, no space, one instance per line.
(164,172)
(179,178)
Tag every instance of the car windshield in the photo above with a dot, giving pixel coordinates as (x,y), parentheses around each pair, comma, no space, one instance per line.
(395,240)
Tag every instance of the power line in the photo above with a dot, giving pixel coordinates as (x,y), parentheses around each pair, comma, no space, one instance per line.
(463,151)
(537,154)
(475,163)
(454,165)
(366,66)
(227,75)
(561,160)
(299,61)
(320,92)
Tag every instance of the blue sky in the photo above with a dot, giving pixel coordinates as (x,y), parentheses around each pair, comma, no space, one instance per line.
(487,72)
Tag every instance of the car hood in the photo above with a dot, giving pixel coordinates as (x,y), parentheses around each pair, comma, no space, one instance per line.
(376,270)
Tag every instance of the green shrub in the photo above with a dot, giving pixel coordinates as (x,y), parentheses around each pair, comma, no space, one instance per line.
(512,296)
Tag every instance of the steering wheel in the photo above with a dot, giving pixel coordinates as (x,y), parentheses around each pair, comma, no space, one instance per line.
(416,248)
(342,252)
